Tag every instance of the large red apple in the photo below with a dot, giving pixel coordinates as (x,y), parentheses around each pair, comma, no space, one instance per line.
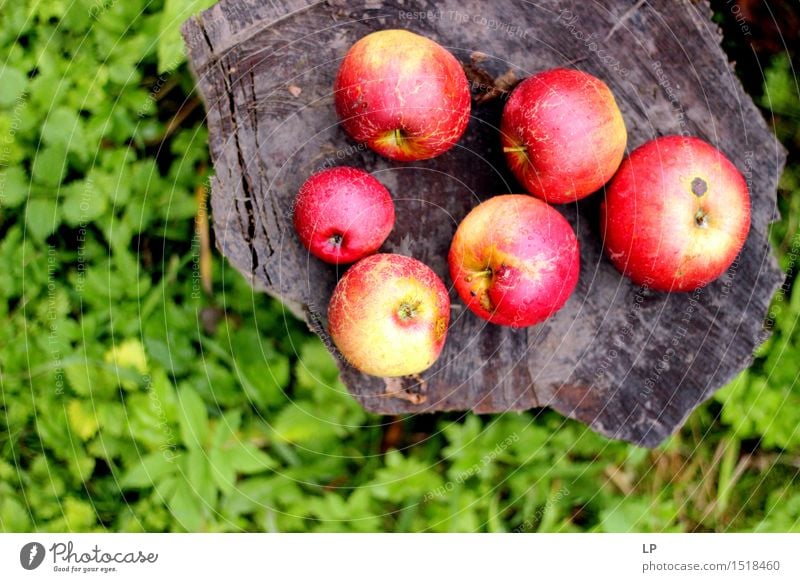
(514,260)
(676,214)
(343,214)
(403,95)
(388,315)
(563,134)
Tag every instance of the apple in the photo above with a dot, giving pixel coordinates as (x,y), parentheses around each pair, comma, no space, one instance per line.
(514,260)
(562,134)
(343,214)
(388,315)
(676,214)
(403,95)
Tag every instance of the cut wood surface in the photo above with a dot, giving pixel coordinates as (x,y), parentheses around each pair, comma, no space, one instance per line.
(629,362)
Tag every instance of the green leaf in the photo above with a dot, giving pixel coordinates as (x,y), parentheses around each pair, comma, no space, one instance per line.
(82,419)
(404,479)
(637,514)
(332,511)
(186,507)
(12,85)
(298,424)
(128,362)
(222,471)
(42,217)
(263,372)
(50,165)
(165,488)
(14,185)
(154,467)
(82,205)
(167,339)
(192,417)
(13,516)
(87,376)
(761,402)
(78,514)
(171,51)
(780,87)
(246,458)
(226,428)
(198,474)
(315,366)
(63,128)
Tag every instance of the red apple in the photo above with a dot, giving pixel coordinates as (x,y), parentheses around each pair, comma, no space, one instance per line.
(676,214)
(389,315)
(403,95)
(514,260)
(563,134)
(343,214)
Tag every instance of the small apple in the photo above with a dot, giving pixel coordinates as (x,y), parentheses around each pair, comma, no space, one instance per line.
(514,260)
(343,214)
(403,95)
(388,315)
(562,134)
(676,214)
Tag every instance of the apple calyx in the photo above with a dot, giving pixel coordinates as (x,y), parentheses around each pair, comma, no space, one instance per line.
(336,240)
(408,310)
(701,218)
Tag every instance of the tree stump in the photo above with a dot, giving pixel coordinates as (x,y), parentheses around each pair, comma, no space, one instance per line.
(629,362)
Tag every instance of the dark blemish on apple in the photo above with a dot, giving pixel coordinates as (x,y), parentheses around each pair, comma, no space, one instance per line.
(486,302)
(440,329)
(473,293)
(699,187)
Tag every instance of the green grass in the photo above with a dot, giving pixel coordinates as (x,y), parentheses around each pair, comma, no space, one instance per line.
(130,399)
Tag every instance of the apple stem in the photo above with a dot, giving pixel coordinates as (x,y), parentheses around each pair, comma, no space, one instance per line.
(398,136)
(485,273)
(515,149)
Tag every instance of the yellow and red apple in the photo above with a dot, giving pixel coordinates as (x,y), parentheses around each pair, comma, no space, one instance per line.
(562,134)
(403,95)
(343,214)
(388,315)
(514,260)
(676,214)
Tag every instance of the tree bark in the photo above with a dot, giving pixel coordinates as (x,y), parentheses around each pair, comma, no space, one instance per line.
(629,362)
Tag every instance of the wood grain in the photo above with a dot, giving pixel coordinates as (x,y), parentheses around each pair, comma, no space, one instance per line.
(629,362)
